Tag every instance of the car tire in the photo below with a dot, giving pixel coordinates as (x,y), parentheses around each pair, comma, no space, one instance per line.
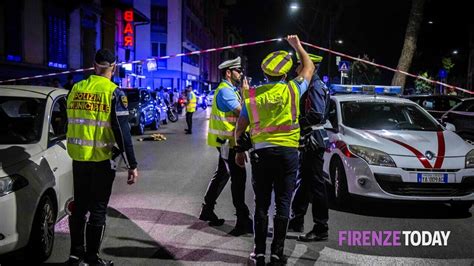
(461,207)
(339,181)
(41,241)
(156,122)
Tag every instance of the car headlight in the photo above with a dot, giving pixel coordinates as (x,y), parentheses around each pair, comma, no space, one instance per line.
(470,159)
(372,156)
(9,184)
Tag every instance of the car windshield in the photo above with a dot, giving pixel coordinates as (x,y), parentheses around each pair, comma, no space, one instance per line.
(465,106)
(386,115)
(132,95)
(21,120)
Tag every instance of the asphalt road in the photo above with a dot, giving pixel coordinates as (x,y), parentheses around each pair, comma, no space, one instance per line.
(155,221)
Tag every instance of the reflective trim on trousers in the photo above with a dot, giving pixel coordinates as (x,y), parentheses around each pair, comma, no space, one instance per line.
(91,143)
(230,119)
(89,122)
(221,132)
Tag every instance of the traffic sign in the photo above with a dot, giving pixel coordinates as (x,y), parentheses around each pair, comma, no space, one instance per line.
(344,66)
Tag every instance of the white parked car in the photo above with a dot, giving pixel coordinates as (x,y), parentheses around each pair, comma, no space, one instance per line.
(390,148)
(35,170)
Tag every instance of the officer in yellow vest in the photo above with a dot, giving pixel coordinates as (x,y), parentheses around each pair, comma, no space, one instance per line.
(271,110)
(226,107)
(97,120)
(191,102)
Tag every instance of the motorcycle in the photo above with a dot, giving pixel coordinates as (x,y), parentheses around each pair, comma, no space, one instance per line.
(172,113)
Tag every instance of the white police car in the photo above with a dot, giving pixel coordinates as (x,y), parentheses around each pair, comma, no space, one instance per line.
(390,148)
(35,169)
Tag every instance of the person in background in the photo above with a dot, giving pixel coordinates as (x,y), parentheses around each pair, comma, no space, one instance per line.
(191,102)
(69,83)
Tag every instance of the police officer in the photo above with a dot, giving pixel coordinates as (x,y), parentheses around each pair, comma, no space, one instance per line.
(226,107)
(272,112)
(314,141)
(191,101)
(97,120)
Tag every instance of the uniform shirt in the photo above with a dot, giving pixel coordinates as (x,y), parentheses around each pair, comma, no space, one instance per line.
(121,127)
(314,103)
(226,99)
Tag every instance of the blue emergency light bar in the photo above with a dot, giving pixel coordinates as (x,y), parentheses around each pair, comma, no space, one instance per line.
(365,89)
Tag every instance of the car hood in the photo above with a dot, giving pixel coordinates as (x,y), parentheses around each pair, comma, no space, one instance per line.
(409,143)
(13,154)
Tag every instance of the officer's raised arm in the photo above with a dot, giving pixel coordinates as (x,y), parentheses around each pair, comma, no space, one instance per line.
(308,66)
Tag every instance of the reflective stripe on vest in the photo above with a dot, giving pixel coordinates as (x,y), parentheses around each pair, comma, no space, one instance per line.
(281,125)
(89,122)
(221,124)
(91,143)
(231,119)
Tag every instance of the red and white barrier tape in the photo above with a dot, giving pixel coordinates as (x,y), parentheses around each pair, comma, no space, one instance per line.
(141,61)
(386,67)
(243,45)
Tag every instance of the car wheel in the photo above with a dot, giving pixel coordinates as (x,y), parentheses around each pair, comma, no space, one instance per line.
(156,122)
(339,180)
(461,207)
(42,231)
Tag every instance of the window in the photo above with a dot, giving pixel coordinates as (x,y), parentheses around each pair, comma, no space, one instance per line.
(57,40)
(191,59)
(465,106)
(13,29)
(58,123)
(158,50)
(159,18)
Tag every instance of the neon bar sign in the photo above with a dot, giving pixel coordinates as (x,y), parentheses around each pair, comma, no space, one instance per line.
(128,31)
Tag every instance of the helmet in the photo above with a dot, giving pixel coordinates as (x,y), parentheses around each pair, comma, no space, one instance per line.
(313,57)
(277,63)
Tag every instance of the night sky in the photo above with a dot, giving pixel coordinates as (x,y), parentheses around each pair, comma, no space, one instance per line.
(375,28)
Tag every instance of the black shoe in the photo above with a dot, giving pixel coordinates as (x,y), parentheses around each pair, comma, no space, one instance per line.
(278,260)
(73,261)
(188,133)
(319,233)
(258,259)
(99,261)
(243,226)
(296,225)
(207,214)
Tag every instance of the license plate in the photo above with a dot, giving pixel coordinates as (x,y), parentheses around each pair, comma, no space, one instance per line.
(432,178)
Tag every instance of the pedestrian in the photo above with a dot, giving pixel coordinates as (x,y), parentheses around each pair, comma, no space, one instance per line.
(226,107)
(69,83)
(191,102)
(171,95)
(271,110)
(314,140)
(97,120)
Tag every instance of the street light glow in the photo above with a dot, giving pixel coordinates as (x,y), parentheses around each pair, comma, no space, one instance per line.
(455,52)
(294,6)
(340,41)
(430,22)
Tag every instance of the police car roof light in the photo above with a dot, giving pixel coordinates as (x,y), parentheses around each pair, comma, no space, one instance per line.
(365,89)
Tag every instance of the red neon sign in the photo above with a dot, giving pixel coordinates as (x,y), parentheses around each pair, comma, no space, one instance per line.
(128,33)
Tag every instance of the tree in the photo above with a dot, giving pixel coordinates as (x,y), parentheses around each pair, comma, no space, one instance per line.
(409,46)
(422,86)
(362,73)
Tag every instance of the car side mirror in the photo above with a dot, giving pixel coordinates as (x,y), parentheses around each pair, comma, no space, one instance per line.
(449,126)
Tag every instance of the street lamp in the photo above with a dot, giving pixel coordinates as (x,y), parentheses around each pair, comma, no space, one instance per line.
(430,22)
(339,41)
(294,6)
(455,52)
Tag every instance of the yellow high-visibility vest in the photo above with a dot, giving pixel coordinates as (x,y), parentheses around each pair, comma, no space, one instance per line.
(89,132)
(273,111)
(191,107)
(221,124)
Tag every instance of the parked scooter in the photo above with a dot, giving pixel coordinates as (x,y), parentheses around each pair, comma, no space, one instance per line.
(172,113)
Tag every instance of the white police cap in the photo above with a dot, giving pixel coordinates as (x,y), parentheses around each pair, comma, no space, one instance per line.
(234,63)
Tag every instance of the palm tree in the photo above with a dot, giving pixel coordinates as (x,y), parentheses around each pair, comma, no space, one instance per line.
(409,47)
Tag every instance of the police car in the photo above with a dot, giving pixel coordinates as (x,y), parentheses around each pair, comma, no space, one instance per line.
(35,170)
(390,148)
